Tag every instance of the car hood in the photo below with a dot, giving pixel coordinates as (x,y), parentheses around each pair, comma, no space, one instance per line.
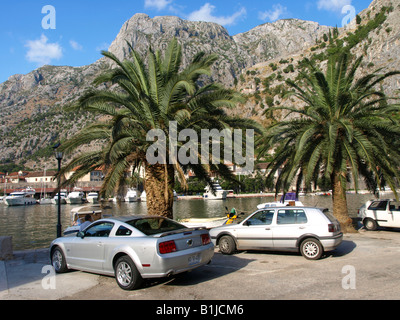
(226,227)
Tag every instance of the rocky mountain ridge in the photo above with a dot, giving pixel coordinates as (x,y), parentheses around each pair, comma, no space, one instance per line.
(30,105)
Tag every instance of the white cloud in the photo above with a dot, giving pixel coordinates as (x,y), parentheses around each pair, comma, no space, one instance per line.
(272,15)
(156,4)
(42,52)
(332,5)
(205,14)
(75,45)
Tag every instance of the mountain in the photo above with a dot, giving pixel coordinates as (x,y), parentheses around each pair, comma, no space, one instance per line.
(31,105)
(374,35)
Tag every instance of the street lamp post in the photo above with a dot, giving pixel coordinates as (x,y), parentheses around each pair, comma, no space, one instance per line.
(59,156)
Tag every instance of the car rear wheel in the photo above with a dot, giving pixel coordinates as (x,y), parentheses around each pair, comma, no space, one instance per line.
(58,260)
(370,224)
(227,245)
(311,249)
(126,274)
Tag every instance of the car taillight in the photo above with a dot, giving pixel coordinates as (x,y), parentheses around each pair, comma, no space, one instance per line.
(167,247)
(205,239)
(331,227)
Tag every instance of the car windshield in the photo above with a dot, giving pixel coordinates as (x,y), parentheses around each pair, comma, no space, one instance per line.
(155,225)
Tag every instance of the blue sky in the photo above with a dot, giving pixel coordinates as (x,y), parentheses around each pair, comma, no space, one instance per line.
(74,32)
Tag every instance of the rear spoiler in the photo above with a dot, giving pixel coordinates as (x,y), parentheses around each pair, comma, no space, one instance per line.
(169,233)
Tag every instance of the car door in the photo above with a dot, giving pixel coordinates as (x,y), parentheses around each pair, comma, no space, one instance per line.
(394,214)
(291,223)
(380,211)
(87,252)
(255,232)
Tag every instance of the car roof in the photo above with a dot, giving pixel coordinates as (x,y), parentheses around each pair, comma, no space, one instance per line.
(129,218)
(291,207)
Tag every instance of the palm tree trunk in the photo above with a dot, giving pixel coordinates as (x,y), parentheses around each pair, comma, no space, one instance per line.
(339,203)
(159,183)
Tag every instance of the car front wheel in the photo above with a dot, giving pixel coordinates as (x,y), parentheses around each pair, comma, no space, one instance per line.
(58,260)
(311,249)
(227,245)
(126,274)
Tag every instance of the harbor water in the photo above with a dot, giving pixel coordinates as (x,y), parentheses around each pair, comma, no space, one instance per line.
(34,227)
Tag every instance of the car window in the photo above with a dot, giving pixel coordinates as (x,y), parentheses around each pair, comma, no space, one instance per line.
(329,215)
(154,225)
(394,206)
(261,217)
(123,231)
(291,216)
(101,229)
(378,205)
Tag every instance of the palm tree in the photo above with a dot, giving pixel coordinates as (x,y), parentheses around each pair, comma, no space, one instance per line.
(344,126)
(152,99)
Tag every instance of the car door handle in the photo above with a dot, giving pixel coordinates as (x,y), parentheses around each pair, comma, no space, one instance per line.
(267,228)
(100,244)
(302,227)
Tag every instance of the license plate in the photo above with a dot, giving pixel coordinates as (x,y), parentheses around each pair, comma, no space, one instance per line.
(195,259)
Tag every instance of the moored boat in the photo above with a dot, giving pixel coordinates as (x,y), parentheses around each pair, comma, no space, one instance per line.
(45,200)
(208,223)
(63,197)
(132,195)
(217,194)
(75,197)
(93,197)
(21,198)
(78,215)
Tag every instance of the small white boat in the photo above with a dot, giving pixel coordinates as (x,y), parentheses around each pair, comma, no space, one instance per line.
(205,223)
(78,217)
(75,197)
(63,197)
(132,195)
(21,198)
(289,199)
(93,197)
(220,194)
(43,198)
(209,223)
(45,201)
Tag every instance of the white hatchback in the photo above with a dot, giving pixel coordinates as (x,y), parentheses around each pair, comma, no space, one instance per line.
(309,230)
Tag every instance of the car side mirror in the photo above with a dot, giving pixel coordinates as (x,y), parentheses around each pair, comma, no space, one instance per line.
(80,234)
(247,223)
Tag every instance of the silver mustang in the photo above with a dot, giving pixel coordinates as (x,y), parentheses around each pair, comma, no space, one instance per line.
(133,248)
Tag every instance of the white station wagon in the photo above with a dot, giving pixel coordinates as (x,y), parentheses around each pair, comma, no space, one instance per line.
(308,230)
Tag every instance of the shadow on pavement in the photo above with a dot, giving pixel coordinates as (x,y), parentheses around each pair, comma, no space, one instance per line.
(343,249)
(220,266)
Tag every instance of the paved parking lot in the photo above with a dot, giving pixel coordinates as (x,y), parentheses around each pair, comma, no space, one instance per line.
(365,266)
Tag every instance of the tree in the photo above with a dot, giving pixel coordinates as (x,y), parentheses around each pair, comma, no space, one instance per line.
(344,126)
(151,97)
